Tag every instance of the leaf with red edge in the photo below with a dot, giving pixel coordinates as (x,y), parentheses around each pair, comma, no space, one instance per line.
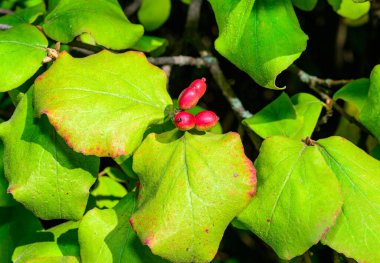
(298,197)
(192,186)
(44,174)
(102,104)
(356,232)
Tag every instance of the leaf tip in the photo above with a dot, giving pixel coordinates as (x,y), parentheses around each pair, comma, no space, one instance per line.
(132,223)
(117,153)
(149,240)
(11,189)
(64,53)
(39,78)
(252,177)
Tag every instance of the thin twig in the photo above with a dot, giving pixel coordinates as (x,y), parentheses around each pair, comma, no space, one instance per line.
(5,11)
(132,8)
(329,102)
(84,48)
(5,27)
(183,61)
(313,80)
(192,20)
(168,70)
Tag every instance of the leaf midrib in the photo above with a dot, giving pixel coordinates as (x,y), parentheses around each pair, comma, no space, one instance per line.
(283,187)
(23,44)
(109,94)
(354,186)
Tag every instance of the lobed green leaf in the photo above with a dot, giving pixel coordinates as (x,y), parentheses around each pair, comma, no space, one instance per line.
(18,226)
(22,49)
(356,232)
(24,16)
(294,117)
(370,113)
(107,236)
(103,104)
(153,13)
(57,244)
(261,37)
(352,9)
(44,174)
(192,186)
(103,20)
(298,197)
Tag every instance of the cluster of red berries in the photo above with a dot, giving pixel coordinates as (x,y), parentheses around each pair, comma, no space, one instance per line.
(188,98)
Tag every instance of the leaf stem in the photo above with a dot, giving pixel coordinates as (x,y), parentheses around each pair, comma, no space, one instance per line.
(84,48)
(3,129)
(132,8)
(5,27)
(5,11)
(183,61)
(313,80)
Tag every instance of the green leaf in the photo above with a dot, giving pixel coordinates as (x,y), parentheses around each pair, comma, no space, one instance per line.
(251,35)
(298,197)
(103,20)
(153,13)
(118,174)
(22,49)
(347,129)
(349,8)
(7,4)
(370,112)
(102,104)
(305,5)
(63,259)
(192,186)
(355,92)
(277,118)
(294,118)
(107,236)
(355,95)
(154,45)
(52,4)
(107,192)
(309,107)
(5,198)
(18,226)
(125,163)
(60,244)
(356,232)
(44,174)
(21,16)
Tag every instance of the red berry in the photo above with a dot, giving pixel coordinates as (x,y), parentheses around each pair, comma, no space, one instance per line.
(188,98)
(200,86)
(184,121)
(205,120)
